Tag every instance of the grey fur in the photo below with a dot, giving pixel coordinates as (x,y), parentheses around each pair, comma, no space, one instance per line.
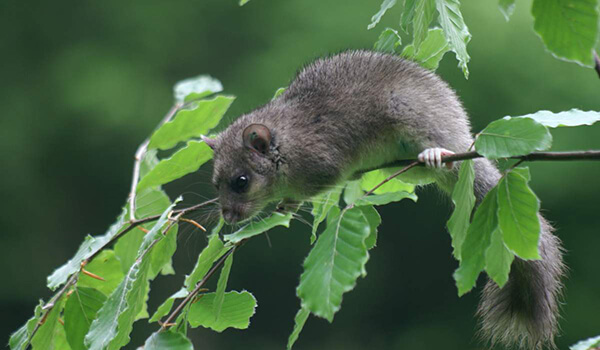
(359,110)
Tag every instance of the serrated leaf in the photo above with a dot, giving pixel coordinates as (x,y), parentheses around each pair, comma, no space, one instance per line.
(385,5)
(373,178)
(431,52)
(374,220)
(255,228)
(588,344)
(388,41)
(321,205)
(456,31)
(408,13)
(334,264)
(507,7)
(196,87)
(279,92)
(20,337)
(107,266)
(422,18)
(235,313)
(383,199)
(221,285)
(80,311)
(574,117)
(166,306)
(518,214)
(87,248)
(213,251)
(568,28)
(299,322)
(168,341)
(186,160)
(498,259)
(44,338)
(464,201)
(188,123)
(512,137)
(478,239)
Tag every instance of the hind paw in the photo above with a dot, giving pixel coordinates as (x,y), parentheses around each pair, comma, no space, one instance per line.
(432,157)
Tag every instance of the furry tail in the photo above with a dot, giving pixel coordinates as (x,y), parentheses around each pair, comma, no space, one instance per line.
(524,312)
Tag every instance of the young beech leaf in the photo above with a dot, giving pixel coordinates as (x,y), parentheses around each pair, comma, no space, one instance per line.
(573,117)
(334,263)
(166,306)
(60,338)
(422,18)
(388,41)
(161,255)
(568,28)
(373,178)
(107,266)
(512,137)
(80,310)
(321,205)
(204,116)
(383,199)
(477,241)
(45,337)
(518,214)
(464,200)
(456,31)
(186,160)
(196,87)
(588,344)
(408,13)
(236,311)
(507,7)
(385,5)
(213,251)
(255,228)
(279,92)
(299,322)
(352,191)
(168,341)
(498,259)
(221,285)
(431,51)
(19,339)
(372,216)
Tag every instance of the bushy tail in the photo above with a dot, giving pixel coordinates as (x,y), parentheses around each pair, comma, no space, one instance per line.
(524,312)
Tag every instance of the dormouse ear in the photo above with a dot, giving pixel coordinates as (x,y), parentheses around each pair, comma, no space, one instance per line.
(257,137)
(209,141)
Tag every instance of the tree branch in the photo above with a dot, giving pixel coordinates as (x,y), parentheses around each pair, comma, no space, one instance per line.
(597,63)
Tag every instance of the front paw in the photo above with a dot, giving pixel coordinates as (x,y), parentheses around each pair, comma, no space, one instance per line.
(432,157)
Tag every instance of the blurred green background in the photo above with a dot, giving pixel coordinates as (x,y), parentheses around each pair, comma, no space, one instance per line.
(83,83)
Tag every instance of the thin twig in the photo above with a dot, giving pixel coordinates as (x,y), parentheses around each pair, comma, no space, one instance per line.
(196,290)
(597,63)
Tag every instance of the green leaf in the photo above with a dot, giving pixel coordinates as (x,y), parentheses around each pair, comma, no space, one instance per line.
(431,52)
(166,306)
(408,13)
(279,92)
(60,338)
(213,251)
(498,259)
(352,191)
(19,339)
(383,199)
(168,341)
(568,28)
(221,285)
(388,41)
(87,248)
(299,322)
(235,313)
(334,264)
(478,239)
(373,178)
(44,338)
(422,18)
(243,2)
(574,117)
(374,220)
(197,87)
(321,205)
(188,123)
(518,214)
(80,311)
(464,200)
(507,7)
(512,137)
(161,255)
(588,344)
(186,160)
(255,228)
(107,266)
(456,31)
(385,5)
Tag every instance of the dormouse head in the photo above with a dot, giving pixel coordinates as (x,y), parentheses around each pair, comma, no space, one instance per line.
(245,166)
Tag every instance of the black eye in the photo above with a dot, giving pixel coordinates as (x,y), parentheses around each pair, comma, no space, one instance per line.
(239,184)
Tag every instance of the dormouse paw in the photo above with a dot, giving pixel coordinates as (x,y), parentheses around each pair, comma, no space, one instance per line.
(432,157)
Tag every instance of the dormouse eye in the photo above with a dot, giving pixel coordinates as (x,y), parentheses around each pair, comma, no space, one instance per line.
(239,184)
